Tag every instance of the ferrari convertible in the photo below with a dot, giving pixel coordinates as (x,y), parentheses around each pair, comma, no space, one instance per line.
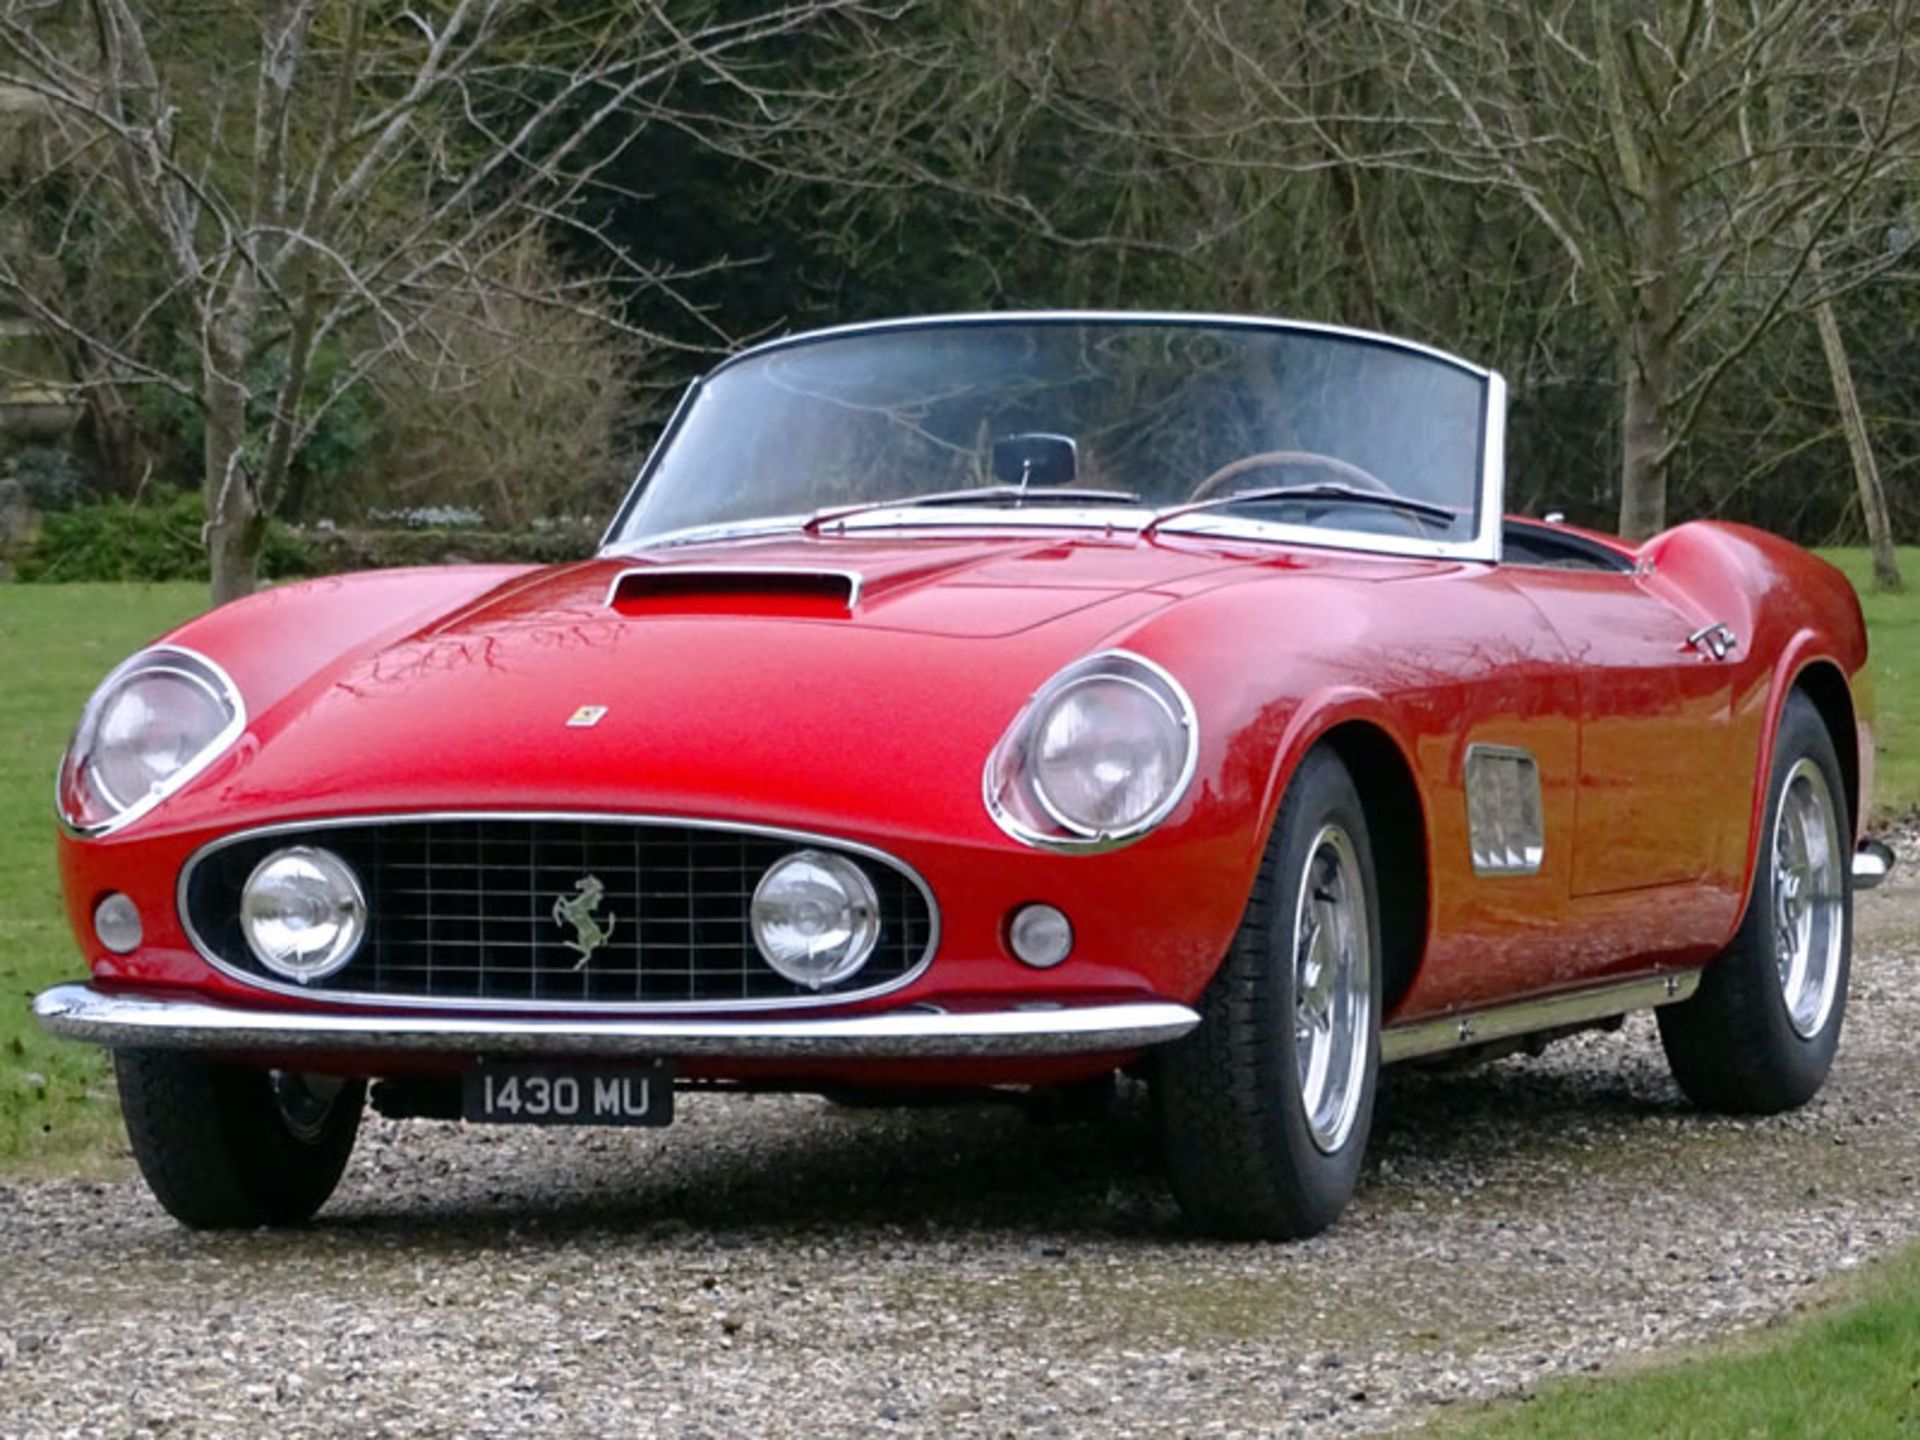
(981,705)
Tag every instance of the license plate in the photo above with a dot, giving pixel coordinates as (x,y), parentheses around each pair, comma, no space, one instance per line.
(535,1094)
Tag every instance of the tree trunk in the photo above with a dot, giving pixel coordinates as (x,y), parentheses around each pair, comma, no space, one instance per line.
(1644,441)
(235,526)
(1866,471)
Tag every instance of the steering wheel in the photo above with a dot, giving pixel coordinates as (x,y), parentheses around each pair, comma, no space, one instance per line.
(1341,470)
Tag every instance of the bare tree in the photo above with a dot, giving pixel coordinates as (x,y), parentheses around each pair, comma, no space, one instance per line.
(1688,157)
(1866,470)
(325,173)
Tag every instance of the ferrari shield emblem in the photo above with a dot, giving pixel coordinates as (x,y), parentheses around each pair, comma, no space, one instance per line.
(586,717)
(580,911)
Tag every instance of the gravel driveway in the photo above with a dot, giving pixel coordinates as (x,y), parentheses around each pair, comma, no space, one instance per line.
(772,1266)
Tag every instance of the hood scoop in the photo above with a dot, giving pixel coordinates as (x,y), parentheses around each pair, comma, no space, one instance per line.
(793,591)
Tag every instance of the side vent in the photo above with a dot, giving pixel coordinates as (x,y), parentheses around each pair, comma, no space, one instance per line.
(1505,831)
(734,590)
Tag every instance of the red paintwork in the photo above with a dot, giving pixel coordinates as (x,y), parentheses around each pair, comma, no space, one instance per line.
(449,688)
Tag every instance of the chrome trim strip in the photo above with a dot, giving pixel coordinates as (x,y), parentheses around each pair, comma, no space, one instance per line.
(1506,1022)
(766,527)
(1097,317)
(680,1007)
(1873,861)
(632,498)
(1080,841)
(1484,549)
(855,580)
(136,1021)
(186,774)
(1493,469)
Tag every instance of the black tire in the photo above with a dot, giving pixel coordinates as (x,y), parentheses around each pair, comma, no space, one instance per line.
(1241,1153)
(226,1148)
(1734,1046)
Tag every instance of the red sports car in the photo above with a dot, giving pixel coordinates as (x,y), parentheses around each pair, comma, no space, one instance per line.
(982,703)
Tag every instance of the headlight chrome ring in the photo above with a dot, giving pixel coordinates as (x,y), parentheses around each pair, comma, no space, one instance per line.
(156,723)
(1099,756)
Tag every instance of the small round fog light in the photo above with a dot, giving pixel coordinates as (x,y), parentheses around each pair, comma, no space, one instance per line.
(816,918)
(116,920)
(1040,935)
(303,913)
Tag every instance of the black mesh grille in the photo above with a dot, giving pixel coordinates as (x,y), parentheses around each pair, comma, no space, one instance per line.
(464,910)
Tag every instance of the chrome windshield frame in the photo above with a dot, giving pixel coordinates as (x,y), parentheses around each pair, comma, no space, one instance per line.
(1483,545)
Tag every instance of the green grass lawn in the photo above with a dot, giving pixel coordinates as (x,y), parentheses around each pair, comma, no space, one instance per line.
(1848,1373)
(1893,625)
(56,642)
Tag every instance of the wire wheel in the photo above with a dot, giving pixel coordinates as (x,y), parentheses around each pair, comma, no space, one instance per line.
(1809,891)
(1332,988)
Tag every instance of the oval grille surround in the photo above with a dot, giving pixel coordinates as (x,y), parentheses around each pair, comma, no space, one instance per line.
(462,912)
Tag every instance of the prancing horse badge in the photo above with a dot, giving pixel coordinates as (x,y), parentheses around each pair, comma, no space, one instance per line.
(586,717)
(578,910)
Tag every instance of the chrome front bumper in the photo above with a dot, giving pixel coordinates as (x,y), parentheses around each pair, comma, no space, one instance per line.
(127,1021)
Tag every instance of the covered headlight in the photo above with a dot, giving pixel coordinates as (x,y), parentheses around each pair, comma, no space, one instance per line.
(154,723)
(816,918)
(1100,755)
(303,913)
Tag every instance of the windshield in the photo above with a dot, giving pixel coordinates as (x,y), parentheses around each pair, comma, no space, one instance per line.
(1156,413)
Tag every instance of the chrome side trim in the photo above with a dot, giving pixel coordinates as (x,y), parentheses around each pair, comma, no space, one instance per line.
(853,578)
(135,1021)
(1527,1017)
(688,1007)
(1873,861)
(144,661)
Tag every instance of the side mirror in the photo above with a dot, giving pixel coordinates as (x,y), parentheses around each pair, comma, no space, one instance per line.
(1035,460)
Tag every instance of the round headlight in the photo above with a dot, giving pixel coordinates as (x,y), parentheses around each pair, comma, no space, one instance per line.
(816,918)
(303,913)
(1107,754)
(149,730)
(1100,755)
(153,725)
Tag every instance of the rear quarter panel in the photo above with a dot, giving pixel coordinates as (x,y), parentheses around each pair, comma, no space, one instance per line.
(1793,613)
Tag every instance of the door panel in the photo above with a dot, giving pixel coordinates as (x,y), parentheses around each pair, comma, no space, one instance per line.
(1655,725)
(1477,671)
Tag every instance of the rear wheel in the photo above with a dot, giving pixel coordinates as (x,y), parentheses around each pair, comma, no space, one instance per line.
(1760,1033)
(223,1147)
(1266,1106)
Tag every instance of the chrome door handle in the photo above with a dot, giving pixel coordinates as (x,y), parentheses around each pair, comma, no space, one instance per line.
(1715,641)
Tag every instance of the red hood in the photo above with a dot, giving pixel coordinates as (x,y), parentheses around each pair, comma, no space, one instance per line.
(759,706)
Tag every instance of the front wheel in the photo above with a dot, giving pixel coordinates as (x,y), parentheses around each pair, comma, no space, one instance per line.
(1759,1035)
(1265,1107)
(223,1147)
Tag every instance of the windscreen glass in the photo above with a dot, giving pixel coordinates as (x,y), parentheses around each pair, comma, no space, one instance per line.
(1025,412)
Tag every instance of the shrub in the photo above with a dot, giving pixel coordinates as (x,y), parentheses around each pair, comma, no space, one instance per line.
(116,539)
(160,540)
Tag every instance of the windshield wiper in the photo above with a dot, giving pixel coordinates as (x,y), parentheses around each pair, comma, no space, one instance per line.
(1331,492)
(987,494)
